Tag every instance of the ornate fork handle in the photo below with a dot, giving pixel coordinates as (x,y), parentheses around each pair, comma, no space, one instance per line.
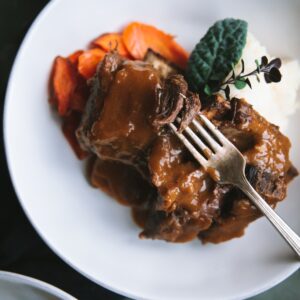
(287,233)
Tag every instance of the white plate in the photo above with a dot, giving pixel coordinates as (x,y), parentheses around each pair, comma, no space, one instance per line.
(19,287)
(85,227)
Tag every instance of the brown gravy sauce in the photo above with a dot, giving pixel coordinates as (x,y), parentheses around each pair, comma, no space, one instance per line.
(173,198)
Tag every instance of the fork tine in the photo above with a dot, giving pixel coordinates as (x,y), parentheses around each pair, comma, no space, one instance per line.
(206,151)
(206,136)
(189,146)
(214,130)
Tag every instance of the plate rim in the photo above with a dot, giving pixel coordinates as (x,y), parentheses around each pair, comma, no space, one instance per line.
(36,283)
(289,270)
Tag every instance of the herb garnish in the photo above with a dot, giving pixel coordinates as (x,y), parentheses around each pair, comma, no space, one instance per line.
(212,58)
(240,81)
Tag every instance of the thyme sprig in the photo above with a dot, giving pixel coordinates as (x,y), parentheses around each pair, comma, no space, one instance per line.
(269,69)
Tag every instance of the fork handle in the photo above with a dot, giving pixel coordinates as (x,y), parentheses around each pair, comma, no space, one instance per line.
(286,232)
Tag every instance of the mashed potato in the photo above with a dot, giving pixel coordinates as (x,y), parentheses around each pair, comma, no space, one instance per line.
(275,101)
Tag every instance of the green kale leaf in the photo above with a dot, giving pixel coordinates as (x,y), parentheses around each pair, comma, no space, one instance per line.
(213,57)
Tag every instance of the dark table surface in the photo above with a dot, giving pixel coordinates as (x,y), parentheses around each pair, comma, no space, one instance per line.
(21,249)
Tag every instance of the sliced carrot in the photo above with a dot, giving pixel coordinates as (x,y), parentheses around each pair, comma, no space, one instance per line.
(74,57)
(80,96)
(88,61)
(111,41)
(62,84)
(69,127)
(138,38)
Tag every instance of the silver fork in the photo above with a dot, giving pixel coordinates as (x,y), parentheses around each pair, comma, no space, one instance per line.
(225,163)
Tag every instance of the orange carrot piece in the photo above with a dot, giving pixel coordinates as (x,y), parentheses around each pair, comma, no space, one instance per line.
(69,127)
(138,38)
(62,84)
(80,96)
(88,61)
(73,58)
(111,41)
